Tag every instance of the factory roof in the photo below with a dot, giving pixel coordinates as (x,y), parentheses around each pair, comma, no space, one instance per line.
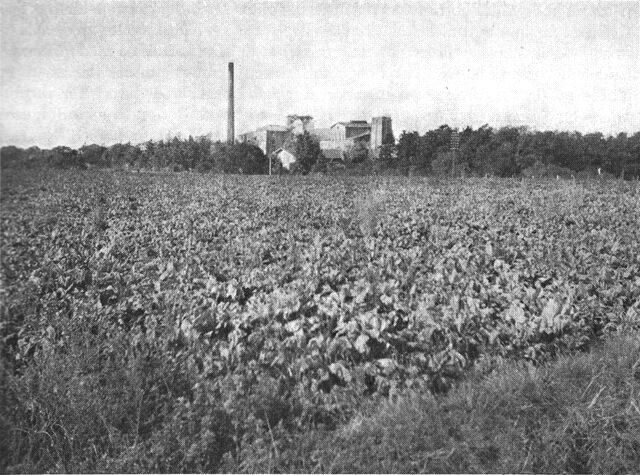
(361,136)
(302,117)
(354,123)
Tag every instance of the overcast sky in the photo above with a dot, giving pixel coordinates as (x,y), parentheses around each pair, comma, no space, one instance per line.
(113,71)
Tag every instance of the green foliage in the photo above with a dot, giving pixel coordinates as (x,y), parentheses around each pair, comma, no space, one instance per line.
(509,150)
(177,154)
(387,151)
(163,322)
(505,152)
(577,415)
(93,155)
(358,152)
(307,152)
(121,155)
(431,144)
(408,148)
(174,154)
(449,163)
(11,156)
(240,158)
(33,157)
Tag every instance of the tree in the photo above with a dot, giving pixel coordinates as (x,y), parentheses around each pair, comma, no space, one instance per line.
(407,148)
(619,157)
(475,149)
(200,150)
(503,160)
(448,163)
(307,152)
(358,152)
(593,150)
(633,148)
(121,155)
(387,152)
(504,148)
(64,157)
(34,157)
(93,154)
(432,143)
(239,158)
(11,156)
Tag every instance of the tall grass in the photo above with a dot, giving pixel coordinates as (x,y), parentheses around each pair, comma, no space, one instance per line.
(581,414)
(97,406)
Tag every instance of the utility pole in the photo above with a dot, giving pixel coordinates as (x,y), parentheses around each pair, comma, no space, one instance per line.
(455,146)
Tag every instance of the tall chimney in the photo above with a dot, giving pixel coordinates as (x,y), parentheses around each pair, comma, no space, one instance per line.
(230,119)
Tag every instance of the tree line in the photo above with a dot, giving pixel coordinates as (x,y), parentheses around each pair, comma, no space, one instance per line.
(507,151)
(176,154)
(511,151)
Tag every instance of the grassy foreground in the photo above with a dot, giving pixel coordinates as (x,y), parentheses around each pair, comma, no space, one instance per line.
(579,414)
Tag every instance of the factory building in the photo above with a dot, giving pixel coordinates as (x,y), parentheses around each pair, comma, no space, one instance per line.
(268,138)
(334,141)
(340,136)
(273,137)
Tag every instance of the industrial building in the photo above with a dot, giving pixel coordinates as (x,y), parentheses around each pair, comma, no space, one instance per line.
(334,141)
(268,138)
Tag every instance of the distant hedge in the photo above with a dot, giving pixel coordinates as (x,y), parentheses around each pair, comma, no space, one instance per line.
(200,154)
(508,151)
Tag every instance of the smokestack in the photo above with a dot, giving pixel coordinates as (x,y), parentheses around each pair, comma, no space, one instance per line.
(230,119)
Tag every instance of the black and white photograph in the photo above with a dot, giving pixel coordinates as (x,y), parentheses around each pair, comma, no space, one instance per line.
(321,236)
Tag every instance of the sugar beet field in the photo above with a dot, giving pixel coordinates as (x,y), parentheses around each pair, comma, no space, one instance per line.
(186,322)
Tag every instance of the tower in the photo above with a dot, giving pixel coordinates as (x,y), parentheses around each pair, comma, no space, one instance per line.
(230,118)
(380,129)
